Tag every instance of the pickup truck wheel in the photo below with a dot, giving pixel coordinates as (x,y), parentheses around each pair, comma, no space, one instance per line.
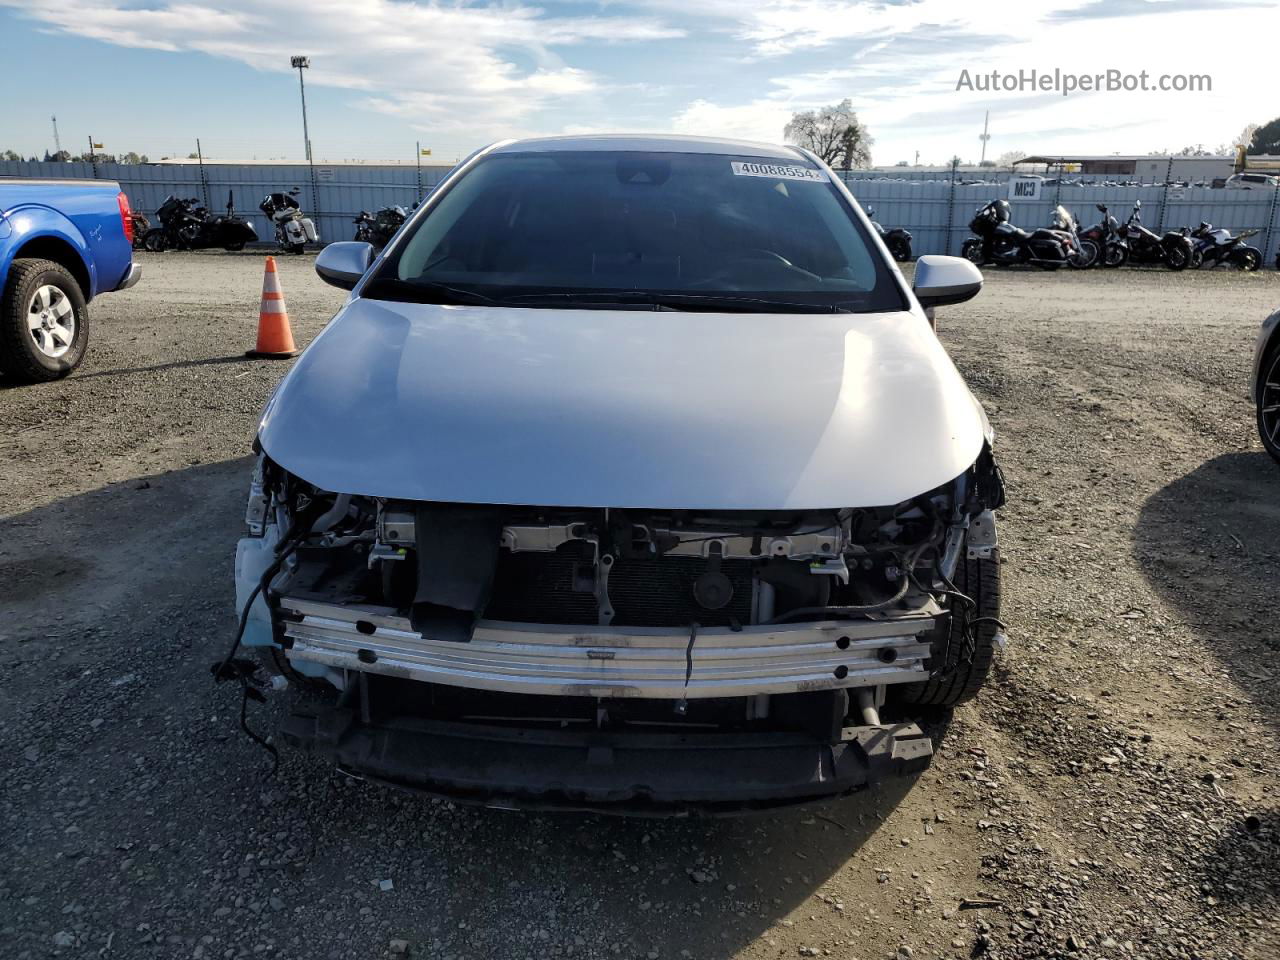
(44,325)
(960,678)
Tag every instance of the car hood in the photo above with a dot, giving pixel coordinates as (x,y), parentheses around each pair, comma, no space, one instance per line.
(624,408)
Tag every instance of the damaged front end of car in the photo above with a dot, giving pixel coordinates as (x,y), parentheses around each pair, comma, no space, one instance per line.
(625,660)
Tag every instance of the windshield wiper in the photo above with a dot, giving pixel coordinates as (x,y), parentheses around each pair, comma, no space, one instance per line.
(425,291)
(676,301)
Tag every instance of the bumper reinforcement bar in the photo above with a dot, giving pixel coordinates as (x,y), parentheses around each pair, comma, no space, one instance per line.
(619,661)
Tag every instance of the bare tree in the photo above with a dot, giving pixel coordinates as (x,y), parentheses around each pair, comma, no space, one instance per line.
(1010,157)
(834,133)
(1245,137)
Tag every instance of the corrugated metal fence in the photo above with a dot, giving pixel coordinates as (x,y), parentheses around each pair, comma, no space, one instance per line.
(936,211)
(338,195)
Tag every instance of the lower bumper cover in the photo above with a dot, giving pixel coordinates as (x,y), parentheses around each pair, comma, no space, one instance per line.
(634,773)
(131,276)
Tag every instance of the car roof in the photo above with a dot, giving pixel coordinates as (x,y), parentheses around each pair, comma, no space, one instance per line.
(653,143)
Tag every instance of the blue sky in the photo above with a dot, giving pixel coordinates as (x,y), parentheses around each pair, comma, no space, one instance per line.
(152,75)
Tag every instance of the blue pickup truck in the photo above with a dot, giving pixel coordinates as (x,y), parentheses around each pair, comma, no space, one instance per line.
(62,242)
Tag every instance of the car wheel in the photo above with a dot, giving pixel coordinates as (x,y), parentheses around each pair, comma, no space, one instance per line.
(44,326)
(1269,403)
(960,672)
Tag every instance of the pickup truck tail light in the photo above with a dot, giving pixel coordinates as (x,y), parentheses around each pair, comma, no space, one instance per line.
(126,216)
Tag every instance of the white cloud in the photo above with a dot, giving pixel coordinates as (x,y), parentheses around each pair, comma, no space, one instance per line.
(761,119)
(485,68)
(474,70)
(899,63)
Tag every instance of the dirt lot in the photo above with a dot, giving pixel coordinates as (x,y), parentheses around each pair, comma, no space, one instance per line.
(1113,794)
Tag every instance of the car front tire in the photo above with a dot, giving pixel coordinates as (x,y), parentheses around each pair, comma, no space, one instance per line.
(958,677)
(1269,402)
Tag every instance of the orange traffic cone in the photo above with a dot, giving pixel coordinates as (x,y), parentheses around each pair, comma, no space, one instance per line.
(275,339)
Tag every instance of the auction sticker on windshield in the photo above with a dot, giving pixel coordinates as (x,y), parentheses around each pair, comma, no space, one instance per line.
(776,171)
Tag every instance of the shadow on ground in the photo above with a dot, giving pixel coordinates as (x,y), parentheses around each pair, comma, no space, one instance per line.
(135,798)
(1209,542)
(1244,862)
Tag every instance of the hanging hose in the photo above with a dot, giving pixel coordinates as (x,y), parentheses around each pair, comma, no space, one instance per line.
(229,668)
(845,610)
(860,609)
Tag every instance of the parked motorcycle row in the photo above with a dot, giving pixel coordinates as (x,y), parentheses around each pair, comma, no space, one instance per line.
(1108,243)
(185,224)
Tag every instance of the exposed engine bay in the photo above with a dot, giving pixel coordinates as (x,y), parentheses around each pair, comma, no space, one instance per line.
(607,621)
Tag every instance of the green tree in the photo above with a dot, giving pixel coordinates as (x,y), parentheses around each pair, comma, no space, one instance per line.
(834,133)
(10,155)
(1266,139)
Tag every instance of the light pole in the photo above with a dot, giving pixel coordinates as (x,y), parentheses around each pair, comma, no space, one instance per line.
(300,64)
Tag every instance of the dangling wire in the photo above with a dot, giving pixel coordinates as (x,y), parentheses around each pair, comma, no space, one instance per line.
(231,668)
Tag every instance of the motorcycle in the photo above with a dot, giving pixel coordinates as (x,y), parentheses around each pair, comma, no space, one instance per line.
(378,230)
(1214,247)
(1106,239)
(1145,246)
(141,225)
(293,230)
(185,225)
(897,240)
(998,241)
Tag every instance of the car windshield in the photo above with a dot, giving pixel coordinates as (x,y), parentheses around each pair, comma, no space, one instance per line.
(645,229)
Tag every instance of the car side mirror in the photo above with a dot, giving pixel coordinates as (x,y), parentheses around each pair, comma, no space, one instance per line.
(342,264)
(939,281)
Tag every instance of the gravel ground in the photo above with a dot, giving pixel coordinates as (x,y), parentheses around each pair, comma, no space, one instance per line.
(1112,794)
